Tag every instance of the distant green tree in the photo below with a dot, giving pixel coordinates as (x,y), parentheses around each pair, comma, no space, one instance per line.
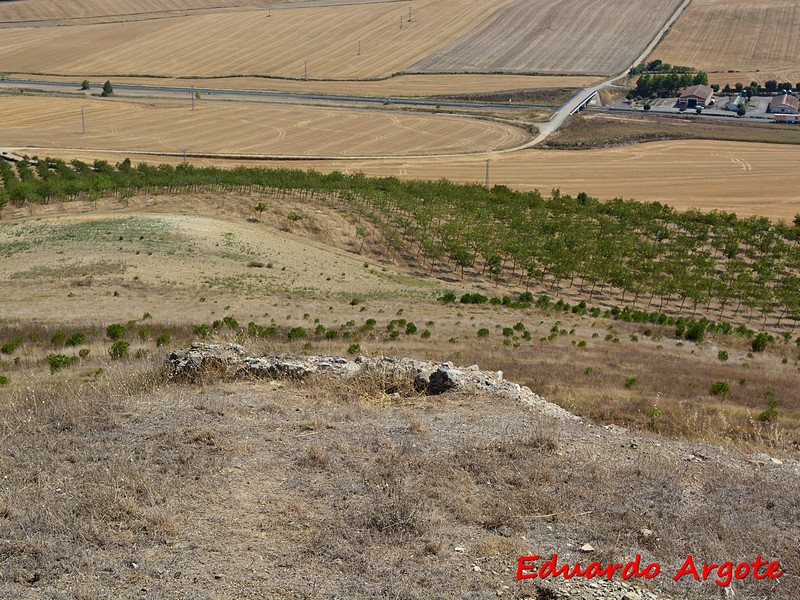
(260,208)
(771,86)
(741,111)
(85,85)
(108,89)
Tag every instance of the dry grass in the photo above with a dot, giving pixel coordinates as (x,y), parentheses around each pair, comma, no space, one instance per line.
(741,40)
(297,491)
(554,37)
(169,126)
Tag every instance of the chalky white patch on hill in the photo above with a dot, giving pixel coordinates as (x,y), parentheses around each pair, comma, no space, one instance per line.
(231,361)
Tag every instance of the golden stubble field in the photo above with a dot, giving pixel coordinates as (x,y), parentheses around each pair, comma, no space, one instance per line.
(745,178)
(241,128)
(317,42)
(752,40)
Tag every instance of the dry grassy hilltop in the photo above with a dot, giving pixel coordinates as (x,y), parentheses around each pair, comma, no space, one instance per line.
(120,481)
(339,299)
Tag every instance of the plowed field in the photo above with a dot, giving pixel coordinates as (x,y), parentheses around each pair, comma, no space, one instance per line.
(242,128)
(565,36)
(756,39)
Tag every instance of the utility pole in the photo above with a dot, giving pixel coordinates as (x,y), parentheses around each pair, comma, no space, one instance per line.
(305,69)
(184,156)
(192,97)
(83,121)
(487,173)
(409,13)
(401,21)
(359,47)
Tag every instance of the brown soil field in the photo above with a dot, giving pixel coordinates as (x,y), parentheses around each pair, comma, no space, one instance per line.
(597,130)
(436,84)
(555,37)
(739,39)
(240,128)
(246,42)
(745,178)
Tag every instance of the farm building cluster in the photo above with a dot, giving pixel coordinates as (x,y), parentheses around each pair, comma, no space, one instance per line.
(783,107)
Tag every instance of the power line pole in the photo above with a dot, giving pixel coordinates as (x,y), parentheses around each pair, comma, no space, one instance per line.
(409,13)
(184,156)
(487,173)
(359,47)
(192,97)
(83,121)
(401,21)
(305,69)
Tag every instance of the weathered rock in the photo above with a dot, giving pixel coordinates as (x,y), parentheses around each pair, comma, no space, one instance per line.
(231,361)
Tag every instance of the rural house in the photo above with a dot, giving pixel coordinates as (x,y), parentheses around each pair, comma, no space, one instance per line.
(783,105)
(696,96)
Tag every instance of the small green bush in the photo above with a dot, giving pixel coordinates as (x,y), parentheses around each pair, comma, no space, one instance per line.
(760,342)
(630,382)
(771,413)
(11,346)
(508,332)
(231,322)
(58,362)
(483,332)
(331,334)
(296,333)
(163,339)
(83,352)
(720,388)
(3,380)
(411,329)
(425,334)
(115,331)
(119,350)
(57,339)
(448,297)
(722,355)
(354,349)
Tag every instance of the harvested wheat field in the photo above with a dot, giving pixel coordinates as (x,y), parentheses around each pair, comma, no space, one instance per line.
(239,128)
(555,37)
(46,10)
(318,42)
(757,39)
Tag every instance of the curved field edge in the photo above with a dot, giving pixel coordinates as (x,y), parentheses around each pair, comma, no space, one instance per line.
(247,128)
